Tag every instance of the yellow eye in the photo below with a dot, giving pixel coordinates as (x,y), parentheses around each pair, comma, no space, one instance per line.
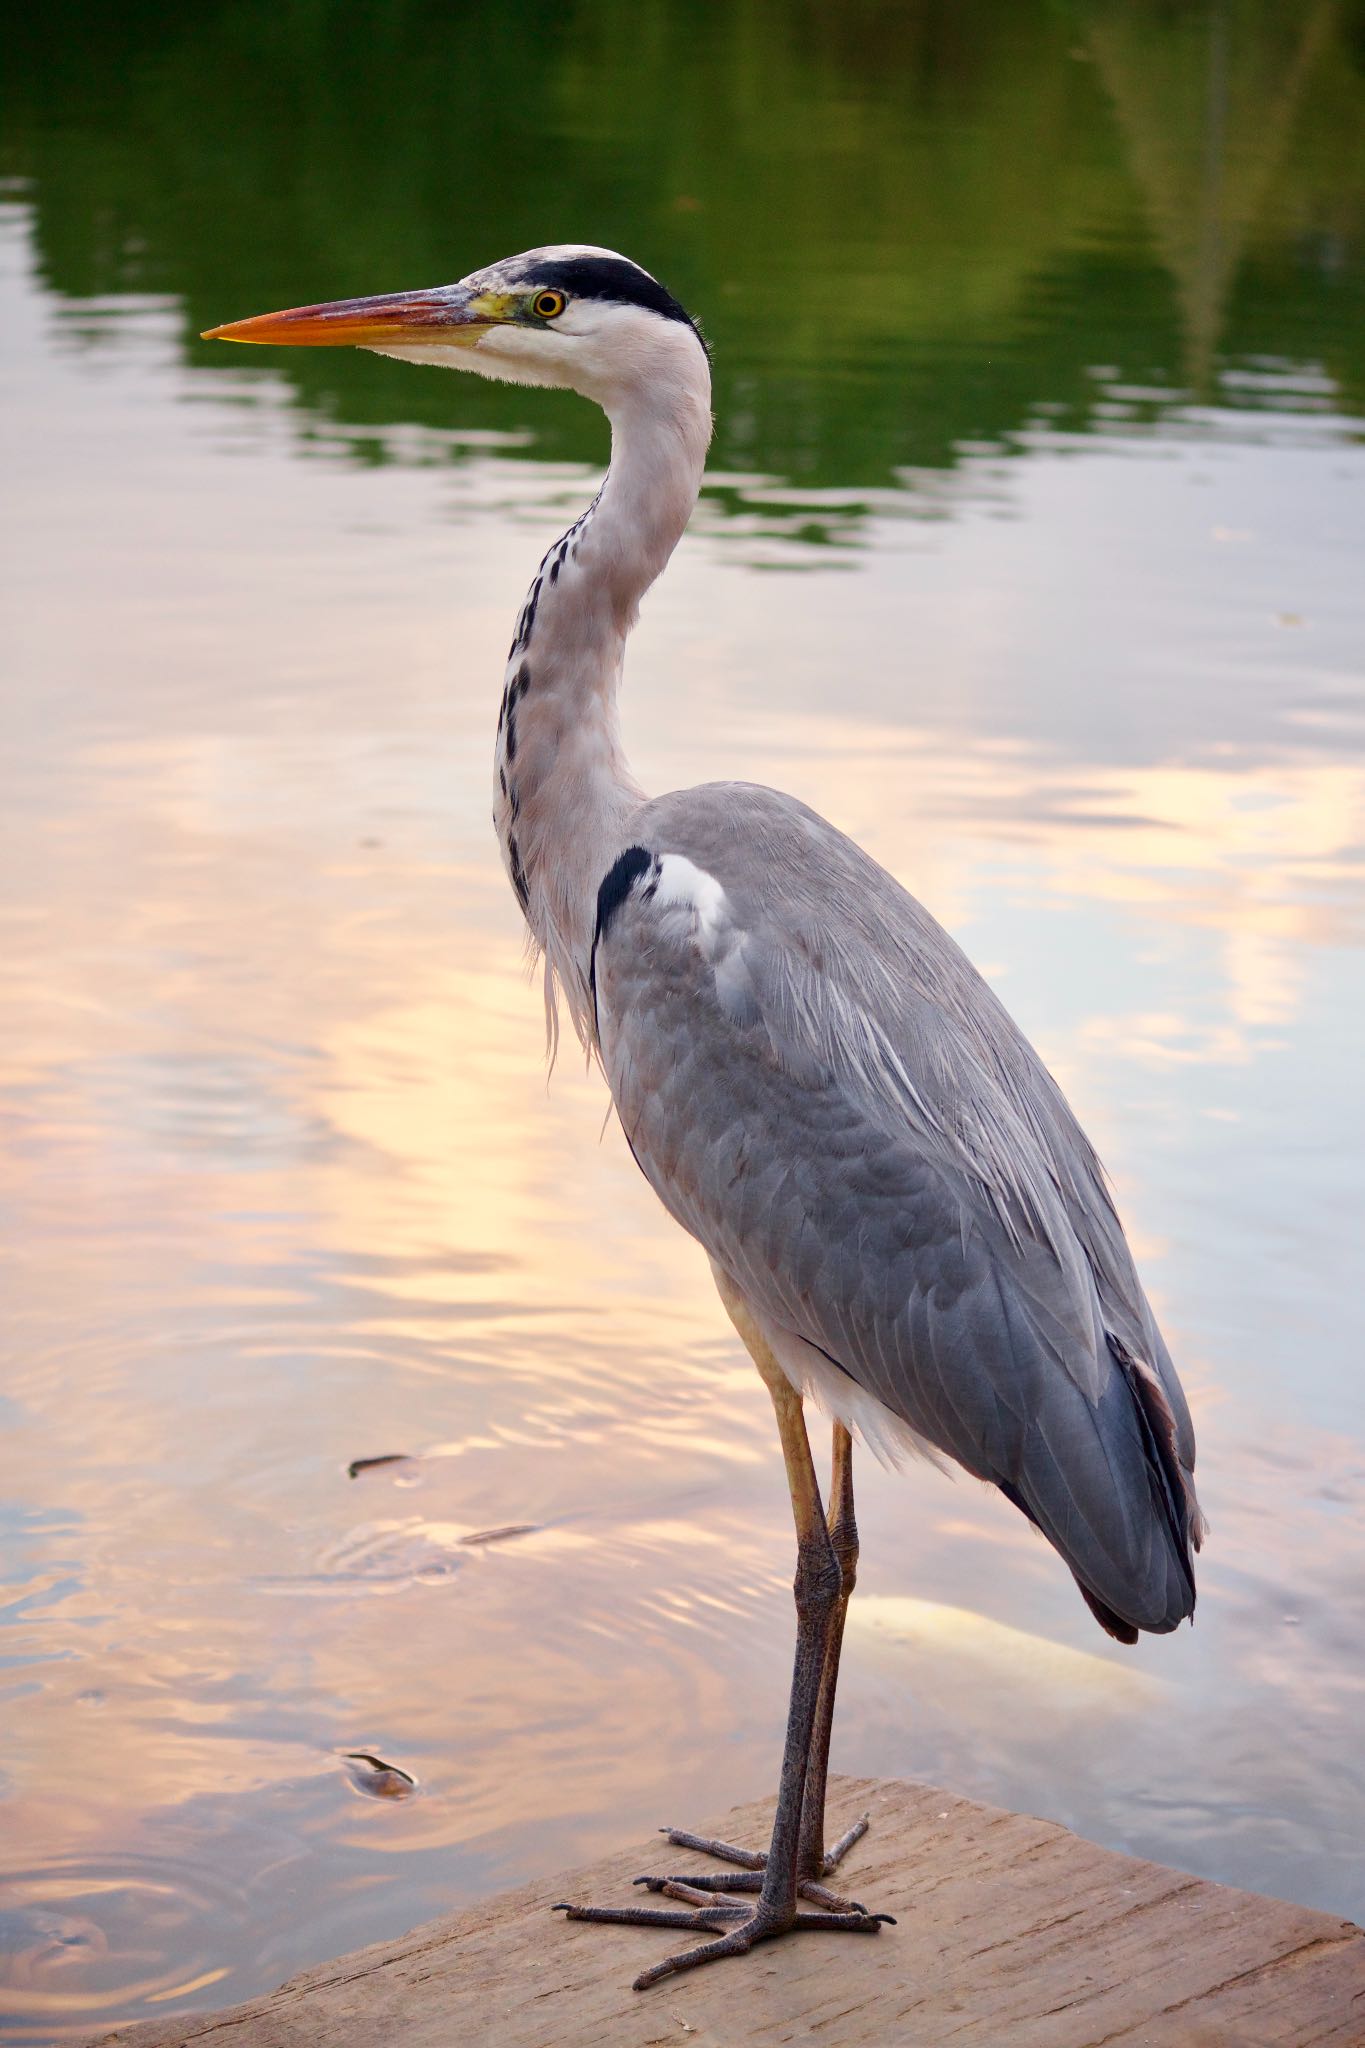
(548,305)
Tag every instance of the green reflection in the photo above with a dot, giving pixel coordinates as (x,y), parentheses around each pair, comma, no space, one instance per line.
(909,229)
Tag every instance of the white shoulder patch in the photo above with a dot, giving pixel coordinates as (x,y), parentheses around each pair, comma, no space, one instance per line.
(684,886)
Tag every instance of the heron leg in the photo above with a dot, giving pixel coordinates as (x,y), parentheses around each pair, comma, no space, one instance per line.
(815,1861)
(817,1587)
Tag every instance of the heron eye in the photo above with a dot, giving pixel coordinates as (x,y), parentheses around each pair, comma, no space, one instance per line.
(548,305)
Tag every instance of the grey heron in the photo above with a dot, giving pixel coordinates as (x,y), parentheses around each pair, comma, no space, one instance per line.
(904,1219)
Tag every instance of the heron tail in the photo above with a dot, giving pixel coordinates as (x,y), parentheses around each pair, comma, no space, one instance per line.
(1132,1558)
(1170,1484)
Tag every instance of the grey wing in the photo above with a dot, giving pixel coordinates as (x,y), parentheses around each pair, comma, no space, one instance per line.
(823,1091)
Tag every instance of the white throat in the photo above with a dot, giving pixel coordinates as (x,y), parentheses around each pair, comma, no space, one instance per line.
(563,793)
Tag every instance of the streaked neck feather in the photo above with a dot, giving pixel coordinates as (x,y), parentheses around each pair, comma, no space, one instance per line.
(563,793)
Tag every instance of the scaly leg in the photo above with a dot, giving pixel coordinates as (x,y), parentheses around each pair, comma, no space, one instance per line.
(843,1532)
(813,1862)
(817,1589)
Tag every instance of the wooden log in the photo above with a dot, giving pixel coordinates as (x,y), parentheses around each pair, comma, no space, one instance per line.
(1012,1933)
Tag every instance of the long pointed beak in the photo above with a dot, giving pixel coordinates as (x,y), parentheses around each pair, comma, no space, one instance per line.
(446,314)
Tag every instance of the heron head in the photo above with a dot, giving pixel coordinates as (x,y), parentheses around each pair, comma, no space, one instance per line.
(580,318)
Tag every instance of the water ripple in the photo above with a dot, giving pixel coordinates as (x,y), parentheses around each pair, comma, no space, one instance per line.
(90,1943)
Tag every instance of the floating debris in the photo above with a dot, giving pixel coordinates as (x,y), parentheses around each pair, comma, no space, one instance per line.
(389,1554)
(359,1465)
(376,1779)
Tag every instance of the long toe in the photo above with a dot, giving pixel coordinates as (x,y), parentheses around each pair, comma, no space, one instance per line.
(747,1881)
(835,1856)
(724,1852)
(709,1916)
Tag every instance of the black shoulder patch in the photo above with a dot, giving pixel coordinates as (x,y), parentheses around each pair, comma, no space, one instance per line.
(615,278)
(617,883)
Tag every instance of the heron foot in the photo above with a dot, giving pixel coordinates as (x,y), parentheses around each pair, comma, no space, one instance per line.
(718,1908)
(734,1929)
(753,1863)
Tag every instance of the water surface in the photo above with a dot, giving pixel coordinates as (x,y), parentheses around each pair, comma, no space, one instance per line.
(1031,554)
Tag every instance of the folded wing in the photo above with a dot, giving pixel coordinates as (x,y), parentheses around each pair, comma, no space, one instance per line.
(824,1092)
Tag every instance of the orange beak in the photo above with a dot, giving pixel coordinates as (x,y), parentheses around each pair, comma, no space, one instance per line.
(446,314)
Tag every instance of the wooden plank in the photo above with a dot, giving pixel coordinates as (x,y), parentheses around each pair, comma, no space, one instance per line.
(1011,1931)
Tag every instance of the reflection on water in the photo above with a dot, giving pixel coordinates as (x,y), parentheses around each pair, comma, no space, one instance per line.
(366,1428)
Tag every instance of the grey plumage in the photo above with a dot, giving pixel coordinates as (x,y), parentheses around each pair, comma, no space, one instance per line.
(823,1090)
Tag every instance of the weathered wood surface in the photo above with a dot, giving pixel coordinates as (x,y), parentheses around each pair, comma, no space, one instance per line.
(1012,1933)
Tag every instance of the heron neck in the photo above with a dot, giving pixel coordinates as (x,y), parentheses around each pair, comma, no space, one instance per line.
(563,791)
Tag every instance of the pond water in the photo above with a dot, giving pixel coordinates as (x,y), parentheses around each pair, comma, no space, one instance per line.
(1031,554)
